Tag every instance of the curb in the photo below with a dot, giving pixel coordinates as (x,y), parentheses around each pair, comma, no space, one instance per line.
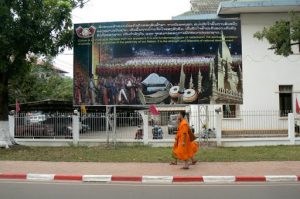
(149,179)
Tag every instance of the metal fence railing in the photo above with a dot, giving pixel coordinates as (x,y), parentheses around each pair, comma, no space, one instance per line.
(94,125)
(129,125)
(163,126)
(255,124)
(203,120)
(40,125)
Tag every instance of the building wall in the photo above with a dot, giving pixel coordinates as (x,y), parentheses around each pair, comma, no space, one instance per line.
(263,71)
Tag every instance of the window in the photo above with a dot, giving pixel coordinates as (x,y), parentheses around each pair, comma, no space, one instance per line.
(285,100)
(230,111)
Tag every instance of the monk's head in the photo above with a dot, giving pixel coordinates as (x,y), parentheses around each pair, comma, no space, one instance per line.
(181,115)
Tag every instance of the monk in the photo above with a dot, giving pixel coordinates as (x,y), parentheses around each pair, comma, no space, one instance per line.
(183,148)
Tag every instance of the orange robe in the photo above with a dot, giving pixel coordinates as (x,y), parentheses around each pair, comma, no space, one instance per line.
(188,150)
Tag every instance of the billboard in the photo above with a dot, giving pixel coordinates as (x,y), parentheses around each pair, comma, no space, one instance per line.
(158,62)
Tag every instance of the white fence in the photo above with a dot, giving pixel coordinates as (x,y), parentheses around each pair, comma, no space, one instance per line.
(256,120)
(248,128)
(255,124)
(54,125)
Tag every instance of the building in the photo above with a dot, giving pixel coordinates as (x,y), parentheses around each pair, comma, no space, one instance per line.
(204,9)
(44,72)
(270,82)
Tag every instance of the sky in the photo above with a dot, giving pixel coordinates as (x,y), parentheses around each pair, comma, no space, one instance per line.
(121,10)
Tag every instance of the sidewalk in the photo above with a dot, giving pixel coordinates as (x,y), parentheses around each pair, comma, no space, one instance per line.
(153,169)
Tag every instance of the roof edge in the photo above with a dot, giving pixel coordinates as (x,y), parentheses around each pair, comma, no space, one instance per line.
(238,7)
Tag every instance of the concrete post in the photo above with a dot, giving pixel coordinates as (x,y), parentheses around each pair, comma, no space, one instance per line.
(145,127)
(4,128)
(291,128)
(75,127)
(11,122)
(219,117)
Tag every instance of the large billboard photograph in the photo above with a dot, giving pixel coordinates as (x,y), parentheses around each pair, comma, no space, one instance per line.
(158,62)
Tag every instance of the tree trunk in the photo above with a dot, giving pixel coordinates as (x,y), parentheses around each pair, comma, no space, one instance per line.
(3,96)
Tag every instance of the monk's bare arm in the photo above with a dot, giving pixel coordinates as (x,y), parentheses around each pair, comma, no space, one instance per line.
(185,132)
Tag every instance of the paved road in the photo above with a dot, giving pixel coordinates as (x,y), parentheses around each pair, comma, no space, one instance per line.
(71,190)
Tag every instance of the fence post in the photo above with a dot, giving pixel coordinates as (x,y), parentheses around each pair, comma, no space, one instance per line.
(145,127)
(108,117)
(219,117)
(75,127)
(11,123)
(291,128)
(115,126)
(5,134)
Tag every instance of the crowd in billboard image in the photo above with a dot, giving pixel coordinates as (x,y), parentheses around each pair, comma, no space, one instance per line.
(158,62)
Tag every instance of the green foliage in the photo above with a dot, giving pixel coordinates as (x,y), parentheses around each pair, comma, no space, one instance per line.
(31,27)
(281,34)
(295,27)
(40,83)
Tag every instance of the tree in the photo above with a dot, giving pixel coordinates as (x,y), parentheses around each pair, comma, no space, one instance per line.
(40,27)
(282,35)
(40,83)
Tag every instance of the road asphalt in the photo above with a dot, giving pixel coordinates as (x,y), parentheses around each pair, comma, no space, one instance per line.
(71,190)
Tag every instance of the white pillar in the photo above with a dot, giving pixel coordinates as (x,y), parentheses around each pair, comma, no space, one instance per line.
(291,128)
(75,127)
(145,127)
(11,123)
(4,128)
(219,117)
